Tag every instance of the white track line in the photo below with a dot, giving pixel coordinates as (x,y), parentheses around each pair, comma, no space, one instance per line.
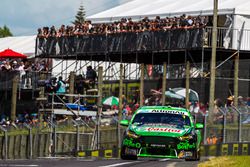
(172,164)
(166,159)
(119,164)
(16,165)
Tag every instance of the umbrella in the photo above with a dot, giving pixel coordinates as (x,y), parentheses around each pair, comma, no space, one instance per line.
(172,94)
(193,95)
(110,101)
(8,53)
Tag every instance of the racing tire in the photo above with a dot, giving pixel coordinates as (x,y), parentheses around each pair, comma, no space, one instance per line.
(126,157)
(196,156)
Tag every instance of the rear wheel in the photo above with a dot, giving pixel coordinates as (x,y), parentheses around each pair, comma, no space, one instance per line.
(124,156)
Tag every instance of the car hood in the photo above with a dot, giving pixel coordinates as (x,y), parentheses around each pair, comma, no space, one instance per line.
(159,130)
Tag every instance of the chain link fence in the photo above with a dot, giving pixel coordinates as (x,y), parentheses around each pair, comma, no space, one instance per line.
(225,124)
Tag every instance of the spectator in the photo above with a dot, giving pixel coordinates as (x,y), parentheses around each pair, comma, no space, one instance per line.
(60,86)
(217,115)
(91,76)
(212,139)
(124,113)
(6,66)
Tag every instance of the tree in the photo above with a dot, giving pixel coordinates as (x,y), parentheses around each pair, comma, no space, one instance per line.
(80,16)
(5,32)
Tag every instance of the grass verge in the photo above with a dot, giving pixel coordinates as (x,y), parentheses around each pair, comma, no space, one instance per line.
(227,161)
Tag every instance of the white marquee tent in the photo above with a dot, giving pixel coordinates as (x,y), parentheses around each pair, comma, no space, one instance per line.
(140,8)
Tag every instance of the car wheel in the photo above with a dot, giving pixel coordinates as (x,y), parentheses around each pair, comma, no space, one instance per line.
(196,156)
(124,156)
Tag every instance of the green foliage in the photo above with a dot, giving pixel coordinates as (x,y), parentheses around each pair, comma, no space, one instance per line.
(5,32)
(80,16)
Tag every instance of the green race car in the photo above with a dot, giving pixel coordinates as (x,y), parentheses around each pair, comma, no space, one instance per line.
(161,132)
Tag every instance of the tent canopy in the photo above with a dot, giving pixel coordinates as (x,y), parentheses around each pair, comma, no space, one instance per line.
(22,44)
(137,9)
(9,53)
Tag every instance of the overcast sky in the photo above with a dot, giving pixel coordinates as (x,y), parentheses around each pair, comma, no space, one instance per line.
(23,17)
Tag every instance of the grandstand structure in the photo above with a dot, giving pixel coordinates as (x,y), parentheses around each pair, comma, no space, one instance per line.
(173,46)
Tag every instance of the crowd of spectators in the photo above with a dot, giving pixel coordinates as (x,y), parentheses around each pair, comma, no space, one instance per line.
(22,66)
(125,25)
(25,69)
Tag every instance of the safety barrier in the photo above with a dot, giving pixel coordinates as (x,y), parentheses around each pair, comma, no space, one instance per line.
(206,150)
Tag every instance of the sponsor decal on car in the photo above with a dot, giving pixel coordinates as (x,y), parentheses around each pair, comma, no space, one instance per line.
(130,143)
(164,130)
(165,111)
(185,145)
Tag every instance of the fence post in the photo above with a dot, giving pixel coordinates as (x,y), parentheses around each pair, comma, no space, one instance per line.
(54,141)
(224,126)
(239,122)
(77,138)
(5,142)
(205,130)
(240,127)
(30,140)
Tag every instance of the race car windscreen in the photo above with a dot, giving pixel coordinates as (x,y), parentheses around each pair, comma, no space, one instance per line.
(161,118)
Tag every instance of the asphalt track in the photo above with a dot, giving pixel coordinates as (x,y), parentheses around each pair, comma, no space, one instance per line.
(83,162)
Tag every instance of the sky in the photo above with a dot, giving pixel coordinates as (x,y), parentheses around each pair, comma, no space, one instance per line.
(23,17)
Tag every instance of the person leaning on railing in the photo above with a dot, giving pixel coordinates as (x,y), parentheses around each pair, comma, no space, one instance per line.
(124,25)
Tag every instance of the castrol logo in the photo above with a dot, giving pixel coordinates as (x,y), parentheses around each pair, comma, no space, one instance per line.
(163,130)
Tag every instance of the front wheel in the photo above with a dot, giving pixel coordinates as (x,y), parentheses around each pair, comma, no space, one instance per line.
(196,156)
(125,156)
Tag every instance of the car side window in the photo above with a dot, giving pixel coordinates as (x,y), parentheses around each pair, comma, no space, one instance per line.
(187,121)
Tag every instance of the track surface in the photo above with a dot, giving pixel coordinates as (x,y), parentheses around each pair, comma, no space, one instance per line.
(62,162)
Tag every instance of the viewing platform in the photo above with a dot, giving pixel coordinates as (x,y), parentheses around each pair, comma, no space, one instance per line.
(138,47)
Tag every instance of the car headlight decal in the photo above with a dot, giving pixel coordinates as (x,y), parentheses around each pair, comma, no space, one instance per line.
(132,134)
(186,137)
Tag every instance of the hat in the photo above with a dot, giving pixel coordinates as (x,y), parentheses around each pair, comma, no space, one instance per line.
(14,62)
(230,98)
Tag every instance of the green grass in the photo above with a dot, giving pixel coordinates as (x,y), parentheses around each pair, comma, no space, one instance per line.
(227,161)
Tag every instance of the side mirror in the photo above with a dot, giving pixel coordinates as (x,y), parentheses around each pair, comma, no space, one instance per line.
(199,126)
(124,122)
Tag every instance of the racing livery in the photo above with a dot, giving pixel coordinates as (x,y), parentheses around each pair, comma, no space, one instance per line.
(161,132)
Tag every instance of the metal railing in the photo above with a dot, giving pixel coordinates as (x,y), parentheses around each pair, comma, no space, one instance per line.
(228,38)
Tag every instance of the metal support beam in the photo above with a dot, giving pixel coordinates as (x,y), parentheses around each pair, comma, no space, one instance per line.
(164,81)
(236,81)
(99,104)
(187,84)
(142,85)
(120,107)
(15,82)
(71,85)
(213,60)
